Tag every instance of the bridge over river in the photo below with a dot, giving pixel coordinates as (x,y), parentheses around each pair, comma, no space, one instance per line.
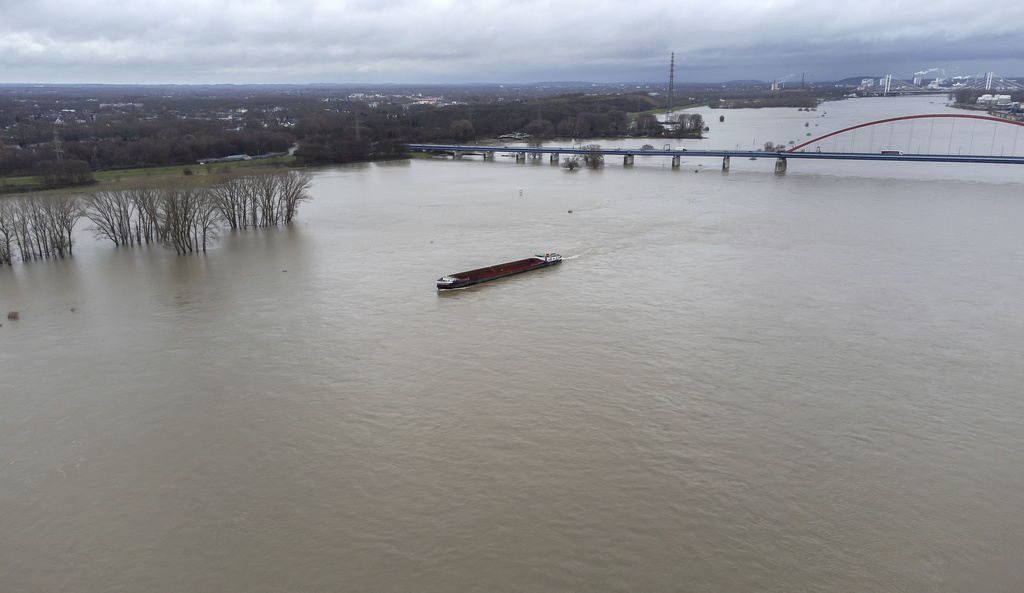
(811,149)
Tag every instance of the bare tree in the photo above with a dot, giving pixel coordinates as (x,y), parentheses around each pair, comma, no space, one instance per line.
(207,221)
(179,216)
(39,227)
(60,214)
(183,214)
(146,201)
(461,129)
(690,124)
(6,230)
(293,189)
(231,197)
(265,184)
(22,226)
(647,124)
(113,216)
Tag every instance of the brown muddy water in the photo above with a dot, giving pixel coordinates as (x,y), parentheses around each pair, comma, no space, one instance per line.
(735,382)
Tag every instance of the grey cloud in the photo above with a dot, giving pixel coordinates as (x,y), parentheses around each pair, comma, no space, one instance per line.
(527,40)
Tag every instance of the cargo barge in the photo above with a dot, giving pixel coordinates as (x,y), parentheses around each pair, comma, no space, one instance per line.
(464,279)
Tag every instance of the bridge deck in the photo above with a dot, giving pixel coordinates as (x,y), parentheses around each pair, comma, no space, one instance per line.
(932,158)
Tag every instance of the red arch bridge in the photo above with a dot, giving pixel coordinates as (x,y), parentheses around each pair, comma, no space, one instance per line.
(938,138)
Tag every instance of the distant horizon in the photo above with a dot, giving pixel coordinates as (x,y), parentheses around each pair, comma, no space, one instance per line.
(665,82)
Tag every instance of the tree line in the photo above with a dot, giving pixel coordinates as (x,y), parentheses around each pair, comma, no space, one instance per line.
(324,129)
(127,141)
(184,214)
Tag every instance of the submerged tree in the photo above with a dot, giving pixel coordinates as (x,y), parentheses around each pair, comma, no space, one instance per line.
(184,214)
(113,214)
(40,227)
(267,198)
(6,230)
(186,217)
(293,189)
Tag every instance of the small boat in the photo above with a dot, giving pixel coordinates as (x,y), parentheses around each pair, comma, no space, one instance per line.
(464,279)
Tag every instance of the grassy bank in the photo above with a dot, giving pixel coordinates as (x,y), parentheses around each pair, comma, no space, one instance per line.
(106,180)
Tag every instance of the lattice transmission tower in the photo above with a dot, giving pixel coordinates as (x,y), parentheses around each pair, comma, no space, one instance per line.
(671,82)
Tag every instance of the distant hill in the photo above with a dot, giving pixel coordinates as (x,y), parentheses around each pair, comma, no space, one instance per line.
(855,80)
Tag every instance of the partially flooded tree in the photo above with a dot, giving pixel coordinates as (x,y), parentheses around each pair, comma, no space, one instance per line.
(113,214)
(39,227)
(146,201)
(265,186)
(22,226)
(690,125)
(647,124)
(183,214)
(267,198)
(230,196)
(123,217)
(186,217)
(6,230)
(293,189)
(60,213)
(594,157)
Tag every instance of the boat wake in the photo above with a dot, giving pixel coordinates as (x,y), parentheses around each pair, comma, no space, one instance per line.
(578,255)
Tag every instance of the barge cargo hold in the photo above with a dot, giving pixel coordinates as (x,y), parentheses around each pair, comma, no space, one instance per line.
(464,279)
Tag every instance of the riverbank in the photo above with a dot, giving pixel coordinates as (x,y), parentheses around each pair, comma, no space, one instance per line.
(106,180)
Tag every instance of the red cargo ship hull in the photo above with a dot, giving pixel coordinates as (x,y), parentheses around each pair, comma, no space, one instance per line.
(464,279)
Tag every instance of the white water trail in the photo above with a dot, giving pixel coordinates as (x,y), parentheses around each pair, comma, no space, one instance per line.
(578,255)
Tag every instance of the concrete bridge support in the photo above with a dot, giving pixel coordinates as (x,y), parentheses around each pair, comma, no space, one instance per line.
(725,163)
(488,155)
(520,157)
(627,159)
(780,165)
(554,158)
(457,154)
(675,161)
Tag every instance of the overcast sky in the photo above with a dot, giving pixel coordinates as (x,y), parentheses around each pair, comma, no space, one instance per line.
(512,41)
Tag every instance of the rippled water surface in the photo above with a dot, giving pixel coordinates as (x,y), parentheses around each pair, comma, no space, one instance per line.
(736,381)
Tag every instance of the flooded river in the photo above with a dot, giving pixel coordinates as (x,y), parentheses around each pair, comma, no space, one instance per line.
(735,381)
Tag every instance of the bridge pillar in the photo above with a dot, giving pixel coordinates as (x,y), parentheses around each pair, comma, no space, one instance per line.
(780,165)
(725,163)
(488,155)
(520,156)
(675,161)
(627,159)
(554,158)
